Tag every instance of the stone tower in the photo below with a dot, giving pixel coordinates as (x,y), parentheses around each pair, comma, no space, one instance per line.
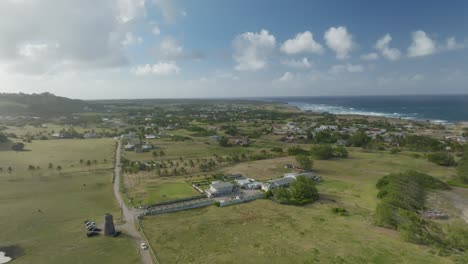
(109,228)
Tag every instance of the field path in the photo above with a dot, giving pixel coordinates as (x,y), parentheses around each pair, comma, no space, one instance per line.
(129,215)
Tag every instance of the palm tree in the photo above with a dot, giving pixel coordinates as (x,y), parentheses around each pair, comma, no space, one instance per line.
(59,168)
(10,169)
(51,166)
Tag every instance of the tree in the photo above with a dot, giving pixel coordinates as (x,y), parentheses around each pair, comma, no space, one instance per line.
(155,153)
(3,138)
(340,152)
(31,168)
(10,169)
(360,139)
(304,162)
(462,168)
(18,146)
(161,153)
(50,166)
(322,152)
(442,159)
(303,190)
(58,168)
(224,142)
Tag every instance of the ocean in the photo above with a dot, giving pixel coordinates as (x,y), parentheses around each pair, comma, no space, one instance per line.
(435,108)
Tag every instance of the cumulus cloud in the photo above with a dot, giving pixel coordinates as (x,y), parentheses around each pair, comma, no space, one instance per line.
(130,39)
(160,68)
(339,40)
(421,45)
(170,48)
(66,34)
(251,50)
(370,56)
(156,30)
(301,43)
(168,10)
(382,45)
(130,9)
(352,68)
(452,44)
(287,76)
(300,63)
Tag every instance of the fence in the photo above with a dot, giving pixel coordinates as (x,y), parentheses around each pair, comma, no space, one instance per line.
(174,201)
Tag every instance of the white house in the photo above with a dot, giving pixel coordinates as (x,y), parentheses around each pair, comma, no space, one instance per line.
(219,188)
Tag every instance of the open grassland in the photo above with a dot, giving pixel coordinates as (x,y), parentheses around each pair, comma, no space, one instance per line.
(143,189)
(266,232)
(42,212)
(351,180)
(65,153)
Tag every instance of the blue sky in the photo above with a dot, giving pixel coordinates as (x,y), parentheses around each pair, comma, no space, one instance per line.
(207,48)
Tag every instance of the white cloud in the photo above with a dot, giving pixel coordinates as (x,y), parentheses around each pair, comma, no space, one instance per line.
(167,9)
(156,30)
(422,45)
(251,50)
(417,77)
(287,76)
(130,39)
(452,44)
(130,9)
(300,63)
(302,43)
(382,45)
(160,68)
(170,48)
(370,56)
(339,40)
(67,35)
(352,68)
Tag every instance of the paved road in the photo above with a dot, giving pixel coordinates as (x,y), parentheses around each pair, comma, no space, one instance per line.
(129,215)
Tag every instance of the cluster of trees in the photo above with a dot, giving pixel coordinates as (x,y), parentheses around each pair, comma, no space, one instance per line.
(402,197)
(422,143)
(3,138)
(442,159)
(462,168)
(326,152)
(321,152)
(301,191)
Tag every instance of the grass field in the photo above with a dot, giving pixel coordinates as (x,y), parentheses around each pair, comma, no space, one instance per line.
(56,233)
(267,232)
(152,190)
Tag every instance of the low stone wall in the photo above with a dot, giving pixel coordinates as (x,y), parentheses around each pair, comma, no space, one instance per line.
(241,199)
(179,206)
(175,201)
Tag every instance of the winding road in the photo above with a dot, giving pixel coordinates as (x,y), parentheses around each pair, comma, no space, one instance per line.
(129,215)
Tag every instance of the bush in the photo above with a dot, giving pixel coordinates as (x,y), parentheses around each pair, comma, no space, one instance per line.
(304,162)
(442,159)
(322,152)
(277,150)
(395,150)
(296,150)
(340,211)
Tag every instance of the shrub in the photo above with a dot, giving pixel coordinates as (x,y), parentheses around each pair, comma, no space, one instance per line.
(442,159)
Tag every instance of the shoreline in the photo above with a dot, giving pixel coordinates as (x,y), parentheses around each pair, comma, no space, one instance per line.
(355,115)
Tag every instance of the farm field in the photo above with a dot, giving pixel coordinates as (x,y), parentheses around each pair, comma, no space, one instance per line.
(247,233)
(266,232)
(42,211)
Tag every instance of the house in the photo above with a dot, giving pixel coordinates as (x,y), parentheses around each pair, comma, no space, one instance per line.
(147,147)
(243,182)
(129,147)
(151,136)
(90,135)
(242,141)
(130,135)
(219,188)
(248,184)
(214,138)
(280,182)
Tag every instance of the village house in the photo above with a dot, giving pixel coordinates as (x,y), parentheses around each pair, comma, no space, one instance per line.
(219,188)
(151,136)
(129,147)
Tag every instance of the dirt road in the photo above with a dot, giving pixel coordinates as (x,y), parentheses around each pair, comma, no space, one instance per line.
(129,215)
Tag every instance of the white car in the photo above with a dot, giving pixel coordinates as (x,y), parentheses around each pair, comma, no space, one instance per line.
(144,246)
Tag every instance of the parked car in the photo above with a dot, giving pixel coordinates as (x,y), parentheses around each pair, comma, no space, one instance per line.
(144,246)
(95,229)
(91,234)
(90,227)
